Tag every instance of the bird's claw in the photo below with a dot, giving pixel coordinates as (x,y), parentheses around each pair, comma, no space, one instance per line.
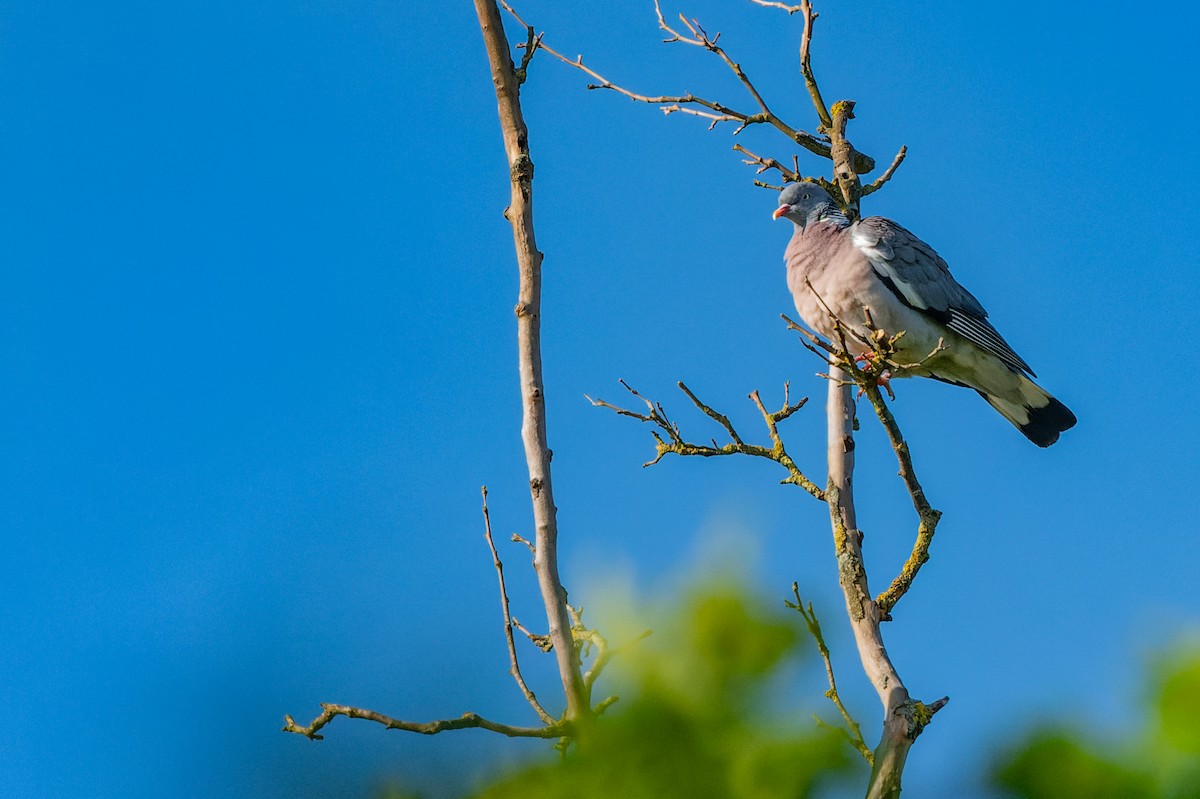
(883,379)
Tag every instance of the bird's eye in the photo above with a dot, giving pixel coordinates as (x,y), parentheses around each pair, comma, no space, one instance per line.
(805,197)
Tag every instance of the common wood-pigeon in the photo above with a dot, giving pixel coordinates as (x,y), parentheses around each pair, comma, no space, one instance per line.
(876,264)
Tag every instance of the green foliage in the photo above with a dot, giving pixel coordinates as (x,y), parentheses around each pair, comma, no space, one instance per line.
(1178,705)
(701,716)
(695,717)
(1163,762)
(1053,764)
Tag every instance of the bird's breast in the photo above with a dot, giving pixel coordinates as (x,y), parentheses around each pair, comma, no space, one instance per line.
(824,275)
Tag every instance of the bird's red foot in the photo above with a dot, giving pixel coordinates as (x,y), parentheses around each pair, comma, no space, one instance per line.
(883,379)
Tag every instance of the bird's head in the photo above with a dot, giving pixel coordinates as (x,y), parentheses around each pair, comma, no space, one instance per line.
(805,203)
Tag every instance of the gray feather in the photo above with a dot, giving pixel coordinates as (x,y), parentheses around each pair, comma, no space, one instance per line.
(921,279)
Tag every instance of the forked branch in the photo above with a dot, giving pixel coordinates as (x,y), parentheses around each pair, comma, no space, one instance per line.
(514,665)
(713,111)
(852,732)
(553,728)
(675,444)
(904,717)
(519,213)
(868,372)
(507,78)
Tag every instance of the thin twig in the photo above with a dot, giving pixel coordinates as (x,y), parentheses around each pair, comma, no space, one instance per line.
(810,80)
(720,418)
(465,721)
(541,641)
(771,4)
(515,668)
(675,444)
(877,184)
(852,731)
(715,112)
(590,640)
(679,103)
(928,517)
(765,163)
(701,38)
(530,47)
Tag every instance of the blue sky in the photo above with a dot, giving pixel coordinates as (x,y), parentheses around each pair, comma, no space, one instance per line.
(257,350)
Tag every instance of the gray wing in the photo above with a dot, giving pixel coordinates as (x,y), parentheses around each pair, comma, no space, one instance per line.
(921,280)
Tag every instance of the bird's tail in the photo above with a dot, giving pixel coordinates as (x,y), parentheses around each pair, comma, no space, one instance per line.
(1039,416)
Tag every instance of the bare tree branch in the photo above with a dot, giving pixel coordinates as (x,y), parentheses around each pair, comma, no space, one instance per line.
(542,642)
(877,184)
(715,112)
(889,756)
(791,175)
(852,731)
(700,38)
(810,80)
(771,4)
(904,718)
(465,721)
(515,668)
(529,347)
(675,444)
(843,154)
(507,79)
(879,361)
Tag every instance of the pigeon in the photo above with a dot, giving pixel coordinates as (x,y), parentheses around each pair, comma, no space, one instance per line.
(874,270)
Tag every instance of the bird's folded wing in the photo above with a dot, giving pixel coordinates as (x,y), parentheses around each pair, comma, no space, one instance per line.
(921,280)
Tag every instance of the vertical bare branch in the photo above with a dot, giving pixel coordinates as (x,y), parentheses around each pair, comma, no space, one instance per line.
(810,80)
(864,620)
(904,718)
(533,424)
(844,154)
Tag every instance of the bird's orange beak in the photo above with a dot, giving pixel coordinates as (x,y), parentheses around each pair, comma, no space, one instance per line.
(780,211)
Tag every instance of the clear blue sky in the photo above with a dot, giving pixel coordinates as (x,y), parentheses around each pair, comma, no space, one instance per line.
(257,349)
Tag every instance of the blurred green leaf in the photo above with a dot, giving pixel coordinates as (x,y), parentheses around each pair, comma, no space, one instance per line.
(1178,702)
(699,716)
(1054,765)
(1161,761)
